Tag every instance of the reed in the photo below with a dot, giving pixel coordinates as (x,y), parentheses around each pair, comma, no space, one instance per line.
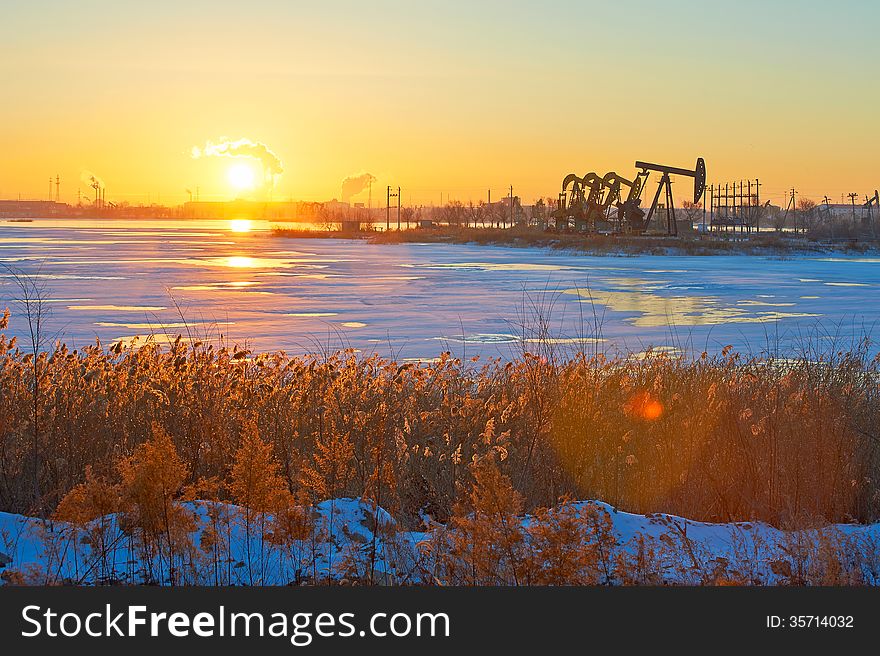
(717,438)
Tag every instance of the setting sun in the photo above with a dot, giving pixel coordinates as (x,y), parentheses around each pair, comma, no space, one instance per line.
(241,176)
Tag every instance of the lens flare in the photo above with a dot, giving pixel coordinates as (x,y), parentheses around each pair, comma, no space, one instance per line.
(644,405)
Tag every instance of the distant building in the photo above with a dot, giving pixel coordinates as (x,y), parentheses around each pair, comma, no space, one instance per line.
(841,210)
(32,209)
(249,209)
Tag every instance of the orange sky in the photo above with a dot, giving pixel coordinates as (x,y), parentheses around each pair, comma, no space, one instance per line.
(436,98)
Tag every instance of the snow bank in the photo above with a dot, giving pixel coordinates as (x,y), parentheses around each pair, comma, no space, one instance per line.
(353,540)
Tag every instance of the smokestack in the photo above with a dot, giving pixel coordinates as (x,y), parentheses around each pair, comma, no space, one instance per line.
(95,183)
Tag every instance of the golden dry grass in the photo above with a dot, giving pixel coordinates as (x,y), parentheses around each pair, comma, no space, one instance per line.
(719,438)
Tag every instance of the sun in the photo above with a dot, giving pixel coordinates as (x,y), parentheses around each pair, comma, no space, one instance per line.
(241,176)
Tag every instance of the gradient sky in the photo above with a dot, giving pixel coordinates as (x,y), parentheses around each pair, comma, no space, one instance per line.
(437,97)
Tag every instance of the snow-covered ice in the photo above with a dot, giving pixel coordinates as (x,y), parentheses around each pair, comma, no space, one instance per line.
(115,279)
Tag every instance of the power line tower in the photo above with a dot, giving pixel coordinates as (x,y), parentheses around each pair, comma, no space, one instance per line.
(57,188)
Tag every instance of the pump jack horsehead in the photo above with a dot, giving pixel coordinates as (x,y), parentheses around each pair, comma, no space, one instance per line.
(699,176)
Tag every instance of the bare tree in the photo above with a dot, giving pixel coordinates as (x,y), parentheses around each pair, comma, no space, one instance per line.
(500,213)
(692,211)
(326,218)
(454,213)
(476,214)
(777,216)
(806,208)
(408,216)
(806,204)
(538,213)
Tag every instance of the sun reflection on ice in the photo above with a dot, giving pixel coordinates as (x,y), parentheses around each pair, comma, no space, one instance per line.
(241,262)
(240,225)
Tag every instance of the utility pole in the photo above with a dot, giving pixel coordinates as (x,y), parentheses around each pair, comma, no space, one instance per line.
(511,206)
(560,205)
(749,212)
(57,188)
(388,197)
(829,216)
(703,231)
(726,208)
(758,205)
(852,198)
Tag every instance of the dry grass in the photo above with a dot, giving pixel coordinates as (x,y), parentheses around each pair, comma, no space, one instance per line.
(720,438)
(596,244)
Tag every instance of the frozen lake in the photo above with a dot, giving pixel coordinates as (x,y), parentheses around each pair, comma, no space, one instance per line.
(117,279)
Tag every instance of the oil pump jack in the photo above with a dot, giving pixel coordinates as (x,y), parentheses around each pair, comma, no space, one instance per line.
(587,200)
(579,201)
(572,202)
(584,201)
(699,176)
(629,212)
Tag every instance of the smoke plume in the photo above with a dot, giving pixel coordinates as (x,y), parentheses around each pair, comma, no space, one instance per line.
(355,184)
(91,179)
(242,148)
